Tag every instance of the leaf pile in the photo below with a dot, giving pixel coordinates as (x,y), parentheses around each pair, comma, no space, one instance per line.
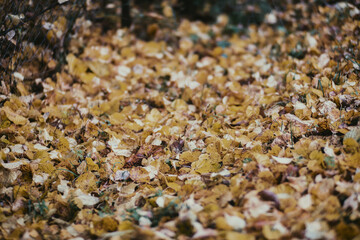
(210,136)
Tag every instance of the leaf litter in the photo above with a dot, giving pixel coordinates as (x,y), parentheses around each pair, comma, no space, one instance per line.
(213,136)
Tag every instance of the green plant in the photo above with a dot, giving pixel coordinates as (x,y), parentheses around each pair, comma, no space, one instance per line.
(37,209)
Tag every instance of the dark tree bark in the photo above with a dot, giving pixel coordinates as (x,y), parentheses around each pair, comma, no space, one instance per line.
(125,13)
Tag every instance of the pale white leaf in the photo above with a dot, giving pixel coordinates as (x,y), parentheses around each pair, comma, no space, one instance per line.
(314,230)
(86,199)
(114,144)
(160,201)
(237,223)
(122,175)
(55,154)
(144,221)
(18,76)
(40,179)
(46,136)
(10,35)
(38,146)
(156,142)
(17,148)
(12,165)
(282,160)
(305,202)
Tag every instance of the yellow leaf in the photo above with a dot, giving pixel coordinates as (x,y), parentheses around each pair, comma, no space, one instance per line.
(63,145)
(174,186)
(106,224)
(152,48)
(99,68)
(206,164)
(87,78)
(270,233)
(47,167)
(117,118)
(353,160)
(14,117)
(317,155)
(351,144)
(314,166)
(239,236)
(22,89)
(91,165)
(317,92)
(262,159)
(222,224)
(76,66)
(86,182)
(154,116)
(133,126)
(189,157)
(167,11)
(125,225)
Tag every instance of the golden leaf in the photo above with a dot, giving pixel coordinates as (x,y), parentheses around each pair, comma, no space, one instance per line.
(76,66)
(167,11)
(86,182)
(206,164)
(14,117)
(91,165)
(99,68)
(189,157)
(271,233)
(238,236)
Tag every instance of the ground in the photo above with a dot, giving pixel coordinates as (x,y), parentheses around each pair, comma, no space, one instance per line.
(195,134)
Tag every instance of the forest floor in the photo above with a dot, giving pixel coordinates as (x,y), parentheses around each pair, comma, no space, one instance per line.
(194,135)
